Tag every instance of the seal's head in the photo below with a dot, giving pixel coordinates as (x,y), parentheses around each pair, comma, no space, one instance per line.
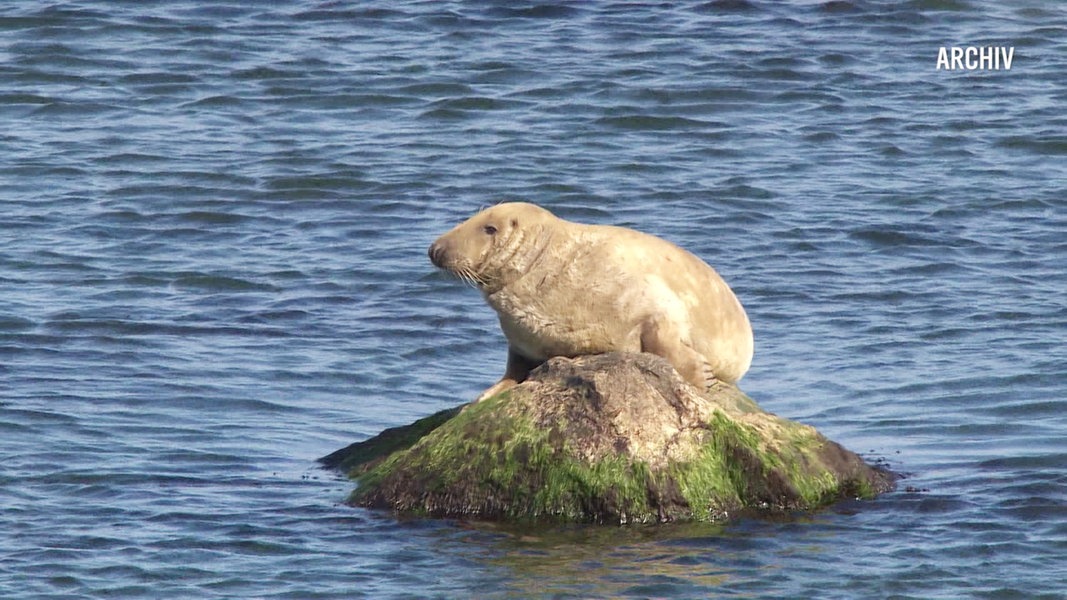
(495,246)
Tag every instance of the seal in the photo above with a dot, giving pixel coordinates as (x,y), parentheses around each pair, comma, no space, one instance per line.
(569,289)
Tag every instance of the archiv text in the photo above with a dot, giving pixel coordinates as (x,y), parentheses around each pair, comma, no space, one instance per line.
(972,58)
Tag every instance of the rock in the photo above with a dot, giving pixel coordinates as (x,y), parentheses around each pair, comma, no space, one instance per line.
(610,438)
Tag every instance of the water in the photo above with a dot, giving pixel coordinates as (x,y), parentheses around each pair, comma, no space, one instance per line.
(213,268)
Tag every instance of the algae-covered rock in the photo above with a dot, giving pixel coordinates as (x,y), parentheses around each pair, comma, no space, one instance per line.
(610,438)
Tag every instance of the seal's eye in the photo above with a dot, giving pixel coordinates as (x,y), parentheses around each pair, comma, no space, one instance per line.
(489,229)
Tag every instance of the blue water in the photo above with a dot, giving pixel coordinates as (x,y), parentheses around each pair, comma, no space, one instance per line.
(213,271)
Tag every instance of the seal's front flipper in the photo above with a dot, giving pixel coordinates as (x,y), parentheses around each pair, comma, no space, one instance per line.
(496,388)
(516,371)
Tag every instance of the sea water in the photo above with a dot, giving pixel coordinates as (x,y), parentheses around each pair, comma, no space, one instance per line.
(213,267)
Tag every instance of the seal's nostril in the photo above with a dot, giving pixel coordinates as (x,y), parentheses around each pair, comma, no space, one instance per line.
(436,254)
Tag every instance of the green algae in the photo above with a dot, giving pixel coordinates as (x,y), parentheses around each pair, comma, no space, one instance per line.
(527,470)
(524,472)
